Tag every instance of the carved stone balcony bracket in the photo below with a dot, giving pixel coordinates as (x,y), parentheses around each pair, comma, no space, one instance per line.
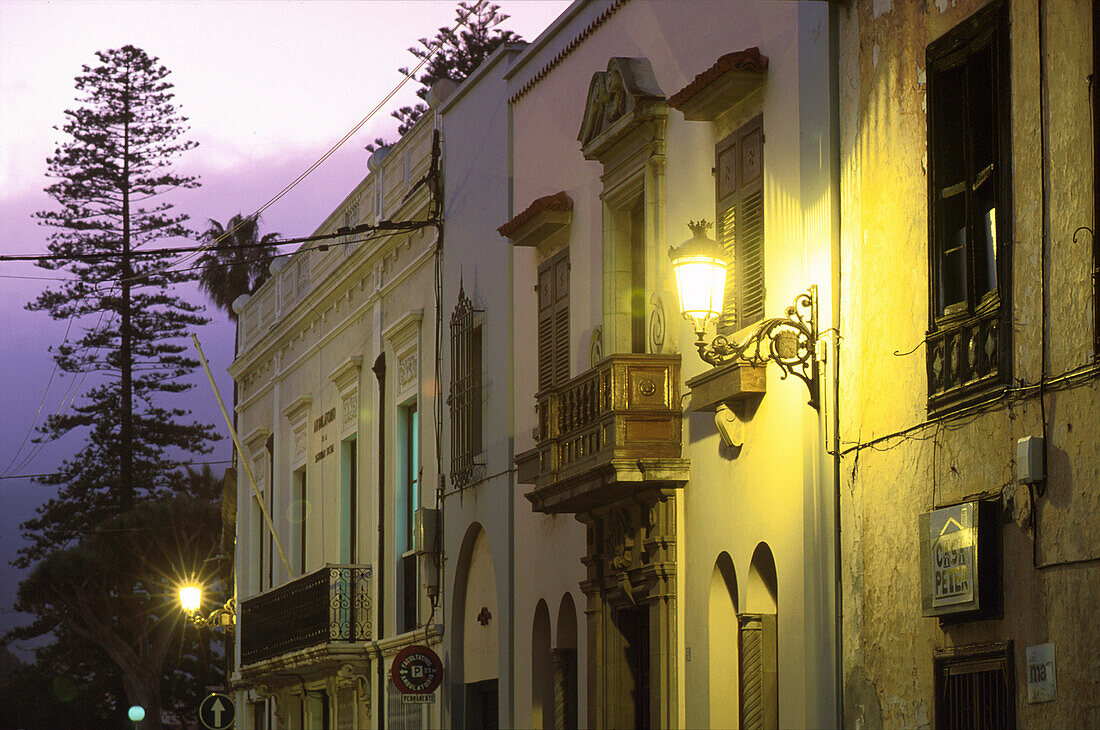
(736,382)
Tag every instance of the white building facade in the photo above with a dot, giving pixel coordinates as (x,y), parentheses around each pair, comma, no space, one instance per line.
(706,570)
(336,411)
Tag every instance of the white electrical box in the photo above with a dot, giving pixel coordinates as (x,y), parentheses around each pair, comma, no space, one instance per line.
(1029,460)
(426,530)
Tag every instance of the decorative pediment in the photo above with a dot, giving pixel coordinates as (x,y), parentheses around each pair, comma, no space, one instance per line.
(620,99)
(729,80)
(541,219)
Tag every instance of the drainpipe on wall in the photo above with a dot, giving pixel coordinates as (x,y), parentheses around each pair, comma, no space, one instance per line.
(838,584)
(380,373)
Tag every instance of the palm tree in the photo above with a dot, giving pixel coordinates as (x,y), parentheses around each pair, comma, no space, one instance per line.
(238,263)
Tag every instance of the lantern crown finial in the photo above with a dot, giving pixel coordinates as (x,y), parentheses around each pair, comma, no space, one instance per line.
(700,227)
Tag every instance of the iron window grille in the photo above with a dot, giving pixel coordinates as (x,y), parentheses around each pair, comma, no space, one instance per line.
(465,396)
(975,687)
(970,210)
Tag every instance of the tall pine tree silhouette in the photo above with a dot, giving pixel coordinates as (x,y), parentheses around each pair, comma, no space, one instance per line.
(112,171)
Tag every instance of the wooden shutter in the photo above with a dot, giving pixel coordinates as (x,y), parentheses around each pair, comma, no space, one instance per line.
(553,321)
(759,676)
(739,207)
(561,318)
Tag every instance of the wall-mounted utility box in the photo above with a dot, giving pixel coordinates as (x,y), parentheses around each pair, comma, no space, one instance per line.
(961,561)
(426,530)
(1029,460)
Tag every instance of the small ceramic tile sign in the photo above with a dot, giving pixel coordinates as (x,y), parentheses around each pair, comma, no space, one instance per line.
(1041,686)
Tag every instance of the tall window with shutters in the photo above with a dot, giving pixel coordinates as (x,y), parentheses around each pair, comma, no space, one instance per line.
(970,209)
(553,334)
(739,206)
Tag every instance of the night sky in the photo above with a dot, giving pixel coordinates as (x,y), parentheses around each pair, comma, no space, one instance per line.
(268,87)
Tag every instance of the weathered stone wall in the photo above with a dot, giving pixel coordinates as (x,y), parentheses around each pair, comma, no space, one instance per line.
(1052,577)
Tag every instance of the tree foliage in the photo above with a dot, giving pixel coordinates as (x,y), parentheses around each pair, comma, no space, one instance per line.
(453,53)
(238,262)
(112,170)
(113,596)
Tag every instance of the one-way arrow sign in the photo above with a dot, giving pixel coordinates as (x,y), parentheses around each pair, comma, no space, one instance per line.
(216,711)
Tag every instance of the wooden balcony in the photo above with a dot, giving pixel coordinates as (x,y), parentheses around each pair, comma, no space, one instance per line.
(611,431)
(327,607)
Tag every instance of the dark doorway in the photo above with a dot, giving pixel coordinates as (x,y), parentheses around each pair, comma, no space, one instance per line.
(481,705)
(634,626)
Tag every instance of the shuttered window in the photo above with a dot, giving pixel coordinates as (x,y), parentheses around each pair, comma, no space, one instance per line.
(759,673)
(739,204)
(553,334)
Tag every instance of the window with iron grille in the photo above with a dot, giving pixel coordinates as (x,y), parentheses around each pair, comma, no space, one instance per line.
(553,323)
(739,205)
(970,209)
(465,396)
(975,687)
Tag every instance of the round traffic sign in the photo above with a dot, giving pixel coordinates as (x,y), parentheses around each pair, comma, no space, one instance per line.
(416,670)
(216,711)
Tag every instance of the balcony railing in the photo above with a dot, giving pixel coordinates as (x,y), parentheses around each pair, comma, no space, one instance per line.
(332,604)
(967,359)
(626,409)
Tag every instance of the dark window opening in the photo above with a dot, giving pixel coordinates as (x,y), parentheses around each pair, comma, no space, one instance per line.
(975,688)
(969,210)
(352,456)
(299,513)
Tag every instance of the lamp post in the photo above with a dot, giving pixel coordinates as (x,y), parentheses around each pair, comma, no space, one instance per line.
(223,618)
(699,265)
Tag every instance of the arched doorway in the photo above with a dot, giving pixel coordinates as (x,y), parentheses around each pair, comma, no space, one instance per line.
(759,670)
(475,697)
(565,665)
(722,629)
(542,670)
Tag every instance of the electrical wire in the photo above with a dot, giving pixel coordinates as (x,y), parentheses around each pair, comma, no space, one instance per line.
(961,418)
(182,463)
(331,151)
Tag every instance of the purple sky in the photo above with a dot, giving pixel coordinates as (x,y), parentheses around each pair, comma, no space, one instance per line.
(268,88)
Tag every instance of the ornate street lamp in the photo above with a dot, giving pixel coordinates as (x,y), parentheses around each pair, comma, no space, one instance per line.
(790,342)
(224,618)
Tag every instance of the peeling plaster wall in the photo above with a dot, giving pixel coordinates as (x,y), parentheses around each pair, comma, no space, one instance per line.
(886,484)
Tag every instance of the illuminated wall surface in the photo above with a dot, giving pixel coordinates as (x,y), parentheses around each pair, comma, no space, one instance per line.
(699,588)
(1048,543)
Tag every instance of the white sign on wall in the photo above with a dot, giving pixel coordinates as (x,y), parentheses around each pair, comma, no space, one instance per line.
(952,543)
(1041,686)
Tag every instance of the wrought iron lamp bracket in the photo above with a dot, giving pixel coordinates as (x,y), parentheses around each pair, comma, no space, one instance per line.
(790,342)
(223,618)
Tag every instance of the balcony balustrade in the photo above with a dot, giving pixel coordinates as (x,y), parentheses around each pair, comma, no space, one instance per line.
(329,605)
(616,424)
